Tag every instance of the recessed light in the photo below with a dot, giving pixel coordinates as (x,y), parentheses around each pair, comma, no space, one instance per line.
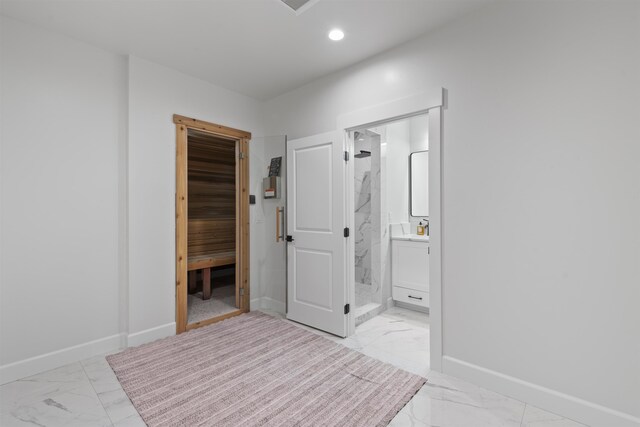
(336,35)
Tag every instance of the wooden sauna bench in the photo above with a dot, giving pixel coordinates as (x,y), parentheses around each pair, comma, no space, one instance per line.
(211,244)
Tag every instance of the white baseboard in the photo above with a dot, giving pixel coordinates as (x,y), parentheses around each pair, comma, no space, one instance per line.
(273,305)
(411,307)
(255,304)
(151,334)
(44,362)
(390,303)
(268,304)
(553,401)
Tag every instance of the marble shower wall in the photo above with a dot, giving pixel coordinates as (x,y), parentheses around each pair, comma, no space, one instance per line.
(381,197)
(378,219)
(362,180)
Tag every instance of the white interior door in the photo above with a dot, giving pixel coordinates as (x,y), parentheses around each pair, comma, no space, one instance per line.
(316,281)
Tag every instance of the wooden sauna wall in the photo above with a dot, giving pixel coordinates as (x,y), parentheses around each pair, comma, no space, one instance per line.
(211,164)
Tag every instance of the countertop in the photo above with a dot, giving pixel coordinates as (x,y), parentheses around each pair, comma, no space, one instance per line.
(411,237)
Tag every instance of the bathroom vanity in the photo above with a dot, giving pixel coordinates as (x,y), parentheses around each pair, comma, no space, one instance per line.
(410,269)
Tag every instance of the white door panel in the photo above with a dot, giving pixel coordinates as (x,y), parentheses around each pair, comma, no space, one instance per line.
(315,220)
(313,268)
(313,190)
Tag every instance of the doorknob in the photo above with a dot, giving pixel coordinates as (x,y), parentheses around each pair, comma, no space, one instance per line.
(289,238)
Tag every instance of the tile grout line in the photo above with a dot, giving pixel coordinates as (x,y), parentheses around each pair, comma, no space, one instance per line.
(97,394)
(523,412)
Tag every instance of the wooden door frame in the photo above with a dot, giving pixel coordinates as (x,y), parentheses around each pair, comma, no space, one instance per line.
(241,140)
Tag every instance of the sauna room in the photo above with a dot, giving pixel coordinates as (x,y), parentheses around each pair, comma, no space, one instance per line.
(211,241)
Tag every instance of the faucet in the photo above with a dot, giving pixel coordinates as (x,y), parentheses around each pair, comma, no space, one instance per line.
(426,226)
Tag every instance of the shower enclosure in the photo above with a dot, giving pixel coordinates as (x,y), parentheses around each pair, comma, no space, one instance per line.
(367,215)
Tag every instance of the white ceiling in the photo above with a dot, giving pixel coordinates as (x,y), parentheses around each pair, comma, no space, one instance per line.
(259,48)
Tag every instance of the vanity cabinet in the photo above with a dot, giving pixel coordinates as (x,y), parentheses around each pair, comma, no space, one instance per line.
(410,272)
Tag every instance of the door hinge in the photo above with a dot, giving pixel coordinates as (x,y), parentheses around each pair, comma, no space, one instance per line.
(241,292)
(346,156)
(289,238)
(241,155)
(346,232)
(347,309)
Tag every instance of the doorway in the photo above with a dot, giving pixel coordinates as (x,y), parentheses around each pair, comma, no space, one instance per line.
(430,103)
(390,201)
(326,203)
(212,223)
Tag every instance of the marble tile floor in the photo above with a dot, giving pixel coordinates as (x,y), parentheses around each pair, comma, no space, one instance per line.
(87,393)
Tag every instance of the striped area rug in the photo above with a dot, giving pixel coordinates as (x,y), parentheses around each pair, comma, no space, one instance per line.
(256,370)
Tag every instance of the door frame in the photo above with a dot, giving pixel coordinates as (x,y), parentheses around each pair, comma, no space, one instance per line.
(241,140)
(431,102)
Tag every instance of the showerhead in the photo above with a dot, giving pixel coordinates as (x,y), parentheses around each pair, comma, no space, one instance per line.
(362,154)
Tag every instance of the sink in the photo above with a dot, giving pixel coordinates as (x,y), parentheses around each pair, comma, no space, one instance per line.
(400,232)
(412,237)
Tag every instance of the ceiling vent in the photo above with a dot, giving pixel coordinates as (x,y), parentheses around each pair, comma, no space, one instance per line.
(299,6)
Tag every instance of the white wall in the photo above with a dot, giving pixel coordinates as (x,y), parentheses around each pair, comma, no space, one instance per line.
(270,268)
(87,196)
(398,139)
(419,128)
(403,138)
(155,94)
(63,107)
(541,204)
(419,131)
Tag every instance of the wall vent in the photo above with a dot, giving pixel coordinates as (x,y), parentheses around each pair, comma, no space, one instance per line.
(299,6)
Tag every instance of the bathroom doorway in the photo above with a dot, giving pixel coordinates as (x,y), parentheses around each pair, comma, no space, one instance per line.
(325,179)
(388,120)
(384,217)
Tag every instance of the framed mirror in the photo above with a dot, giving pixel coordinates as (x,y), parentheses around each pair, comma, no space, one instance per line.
(419,183)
